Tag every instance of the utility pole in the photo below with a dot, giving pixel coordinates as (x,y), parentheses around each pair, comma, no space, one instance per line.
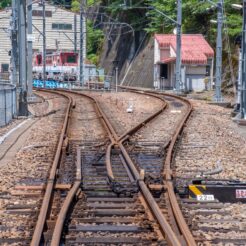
(178,82)
(44,44)
(29,48)
(22,58)
(218,96)
(81,60)
(243,64)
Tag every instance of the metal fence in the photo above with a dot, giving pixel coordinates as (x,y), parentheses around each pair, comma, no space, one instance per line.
(7,103)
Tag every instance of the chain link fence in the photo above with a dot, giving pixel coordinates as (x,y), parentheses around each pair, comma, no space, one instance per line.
(7,103)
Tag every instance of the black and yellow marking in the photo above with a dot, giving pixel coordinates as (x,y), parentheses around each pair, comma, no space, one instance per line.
(222,190)
(195,190)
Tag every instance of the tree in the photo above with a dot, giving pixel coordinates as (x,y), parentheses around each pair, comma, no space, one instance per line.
(5,3)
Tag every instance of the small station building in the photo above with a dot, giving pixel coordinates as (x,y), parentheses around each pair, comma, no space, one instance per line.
(197,58)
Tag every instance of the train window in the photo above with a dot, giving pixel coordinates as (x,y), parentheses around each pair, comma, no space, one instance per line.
(71,59)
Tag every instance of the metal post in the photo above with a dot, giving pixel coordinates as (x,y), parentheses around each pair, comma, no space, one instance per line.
(14,54)
(22,58)
(75,32)
(178,83)
(81,60)
(116,79)
(14,78)
(44,44)
(84,32)
(29,48)
(218,97)
(243,71)
(239,82)
(5,107)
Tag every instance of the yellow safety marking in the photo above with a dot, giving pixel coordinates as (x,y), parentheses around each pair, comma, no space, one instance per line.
(195,190)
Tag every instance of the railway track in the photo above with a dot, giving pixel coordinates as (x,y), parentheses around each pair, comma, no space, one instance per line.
(114,208)
(126,201)
(212,222)
(21,194)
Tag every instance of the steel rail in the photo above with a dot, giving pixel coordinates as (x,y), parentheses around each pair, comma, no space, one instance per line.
(167,174)
(37,235)
(55,241)
(164,225)
(147,120)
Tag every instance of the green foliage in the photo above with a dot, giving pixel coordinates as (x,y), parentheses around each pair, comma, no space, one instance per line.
(95,39)
(4,3)
(75,6)
(196,16)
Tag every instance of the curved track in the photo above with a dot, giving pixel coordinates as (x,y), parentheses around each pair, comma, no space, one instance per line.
(124,194)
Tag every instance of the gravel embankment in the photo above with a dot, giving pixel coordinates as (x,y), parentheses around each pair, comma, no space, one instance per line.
(211,141)
(115,107)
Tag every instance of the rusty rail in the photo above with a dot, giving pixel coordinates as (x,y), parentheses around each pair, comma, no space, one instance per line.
(55,241)
(52,177)
(115,140)
(183,227)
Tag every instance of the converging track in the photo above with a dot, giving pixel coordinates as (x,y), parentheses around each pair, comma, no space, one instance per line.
(113,203)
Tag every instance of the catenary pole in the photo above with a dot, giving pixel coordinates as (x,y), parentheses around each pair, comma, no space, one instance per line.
(22,58)
(44,44)
(14,53)
(29,48)
(178,82)
(239,81)
(75,32)
(243,64)
(84,31)
(81,60)
(218,72)
(14,78)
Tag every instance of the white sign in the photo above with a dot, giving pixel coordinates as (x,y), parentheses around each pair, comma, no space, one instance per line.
(240,193)
(205,197)
(30,38)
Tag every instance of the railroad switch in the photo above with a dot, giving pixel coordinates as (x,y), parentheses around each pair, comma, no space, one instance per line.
(221,190)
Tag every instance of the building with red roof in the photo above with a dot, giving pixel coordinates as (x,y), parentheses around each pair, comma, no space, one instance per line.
(197,62)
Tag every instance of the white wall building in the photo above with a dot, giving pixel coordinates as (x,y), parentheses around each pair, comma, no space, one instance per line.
(196,62)
(60,31)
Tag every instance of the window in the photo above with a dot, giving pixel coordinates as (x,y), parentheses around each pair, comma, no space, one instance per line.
(5,68)
(39,13)
(164,71)
(62,26)
(207,70)
(71,59)
(55,26)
